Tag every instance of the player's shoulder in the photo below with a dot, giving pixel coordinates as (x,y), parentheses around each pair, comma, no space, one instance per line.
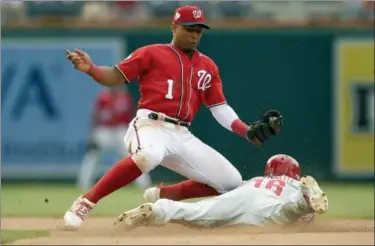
(152,50)
(154,47)
(205,57)
(288,180)
(258,177)
(208,61)
(254,178)
(146,48)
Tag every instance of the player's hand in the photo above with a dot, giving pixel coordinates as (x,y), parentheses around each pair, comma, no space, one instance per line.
(262,130)
(80,60)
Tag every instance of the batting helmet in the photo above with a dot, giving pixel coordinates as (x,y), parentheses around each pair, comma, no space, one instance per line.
(281,164)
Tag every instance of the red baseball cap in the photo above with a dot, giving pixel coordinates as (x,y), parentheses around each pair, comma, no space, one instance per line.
(189,15)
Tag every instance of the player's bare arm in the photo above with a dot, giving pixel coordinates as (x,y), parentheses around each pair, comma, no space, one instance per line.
(107,76)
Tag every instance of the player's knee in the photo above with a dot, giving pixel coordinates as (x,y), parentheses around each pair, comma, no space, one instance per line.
(232,181)
(148,158)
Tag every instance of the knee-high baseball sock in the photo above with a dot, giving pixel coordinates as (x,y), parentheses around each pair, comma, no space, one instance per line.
(122,173)
(187,189)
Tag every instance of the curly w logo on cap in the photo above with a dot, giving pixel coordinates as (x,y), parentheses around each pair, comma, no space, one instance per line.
(189,15)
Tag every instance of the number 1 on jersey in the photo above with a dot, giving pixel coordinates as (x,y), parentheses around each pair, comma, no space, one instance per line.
(169,94)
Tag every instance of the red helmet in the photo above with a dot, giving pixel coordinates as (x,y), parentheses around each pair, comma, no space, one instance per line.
(282,164)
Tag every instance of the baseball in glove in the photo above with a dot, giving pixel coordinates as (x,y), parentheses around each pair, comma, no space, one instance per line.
(262,130)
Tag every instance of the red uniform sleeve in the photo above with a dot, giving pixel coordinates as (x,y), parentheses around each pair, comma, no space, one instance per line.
(214,95)
(134,65)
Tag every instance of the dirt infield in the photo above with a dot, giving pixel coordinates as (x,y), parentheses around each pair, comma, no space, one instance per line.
(99,231)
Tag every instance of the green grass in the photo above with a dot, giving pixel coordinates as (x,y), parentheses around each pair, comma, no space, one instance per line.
(9,236)
(345,200)
(54,200)
(350,200)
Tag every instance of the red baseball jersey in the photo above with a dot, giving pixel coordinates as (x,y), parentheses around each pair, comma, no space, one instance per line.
(171,82)
(114,108)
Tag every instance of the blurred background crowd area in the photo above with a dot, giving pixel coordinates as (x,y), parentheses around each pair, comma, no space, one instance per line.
(154,13)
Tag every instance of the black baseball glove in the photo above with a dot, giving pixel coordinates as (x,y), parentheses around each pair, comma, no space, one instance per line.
(261,130)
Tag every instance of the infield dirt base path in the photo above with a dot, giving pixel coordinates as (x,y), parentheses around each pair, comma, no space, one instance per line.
(99,231)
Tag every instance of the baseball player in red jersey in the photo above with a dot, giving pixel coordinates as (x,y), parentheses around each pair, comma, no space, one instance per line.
(113,111)
(174,81)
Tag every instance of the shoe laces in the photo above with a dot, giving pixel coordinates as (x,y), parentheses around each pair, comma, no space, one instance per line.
(82,210)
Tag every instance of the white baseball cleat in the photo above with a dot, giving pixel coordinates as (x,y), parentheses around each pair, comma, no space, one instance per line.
(313,195)
(77,213)
(151,194)
(136,217)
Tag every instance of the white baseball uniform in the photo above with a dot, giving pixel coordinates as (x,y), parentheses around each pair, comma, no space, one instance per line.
(156,142)
(260,201)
